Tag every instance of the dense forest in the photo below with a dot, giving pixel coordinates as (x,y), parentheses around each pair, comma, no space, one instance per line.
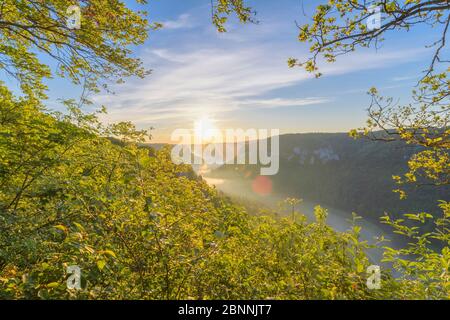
(139,226)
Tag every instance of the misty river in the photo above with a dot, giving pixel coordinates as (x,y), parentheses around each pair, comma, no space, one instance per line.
(337,219)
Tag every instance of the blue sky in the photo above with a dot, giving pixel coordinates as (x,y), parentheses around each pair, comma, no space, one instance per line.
(241,79)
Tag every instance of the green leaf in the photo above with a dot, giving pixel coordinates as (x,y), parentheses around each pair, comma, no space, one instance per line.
(109,252)
(52,285)
(61,227)
(101,264)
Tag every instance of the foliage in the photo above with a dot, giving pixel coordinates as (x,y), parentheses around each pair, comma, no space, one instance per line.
(137,225)
(140,229)
(425,270)
(338,28)
(33,29)
(222,9)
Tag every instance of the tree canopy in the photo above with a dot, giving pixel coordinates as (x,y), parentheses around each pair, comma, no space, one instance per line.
(35,33)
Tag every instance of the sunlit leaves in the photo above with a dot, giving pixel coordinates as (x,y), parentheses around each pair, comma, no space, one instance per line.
(222,9)
(139,229)
(98,51)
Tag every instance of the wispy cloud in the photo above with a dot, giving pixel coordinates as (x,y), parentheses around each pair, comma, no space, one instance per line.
(204,73)
(215,81)
(283,102)
(204,81)
(404,78)
(182,22)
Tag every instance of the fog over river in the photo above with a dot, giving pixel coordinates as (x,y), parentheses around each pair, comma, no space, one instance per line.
(337,219)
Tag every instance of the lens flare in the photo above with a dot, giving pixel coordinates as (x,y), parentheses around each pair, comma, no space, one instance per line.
(262,185)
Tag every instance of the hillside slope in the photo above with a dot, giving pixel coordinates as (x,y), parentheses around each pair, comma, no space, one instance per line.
(336,170)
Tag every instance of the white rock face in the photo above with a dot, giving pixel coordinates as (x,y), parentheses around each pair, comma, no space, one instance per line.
(320,155)
(326,154)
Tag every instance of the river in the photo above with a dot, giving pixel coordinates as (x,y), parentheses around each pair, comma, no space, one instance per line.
(338,219)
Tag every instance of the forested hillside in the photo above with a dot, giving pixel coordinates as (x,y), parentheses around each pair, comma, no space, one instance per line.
(352,175)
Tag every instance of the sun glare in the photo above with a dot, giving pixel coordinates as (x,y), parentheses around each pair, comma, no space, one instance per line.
(204,129)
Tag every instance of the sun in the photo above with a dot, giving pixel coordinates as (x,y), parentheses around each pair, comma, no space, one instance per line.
(204,129)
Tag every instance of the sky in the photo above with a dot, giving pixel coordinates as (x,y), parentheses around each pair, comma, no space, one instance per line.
(240,79)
